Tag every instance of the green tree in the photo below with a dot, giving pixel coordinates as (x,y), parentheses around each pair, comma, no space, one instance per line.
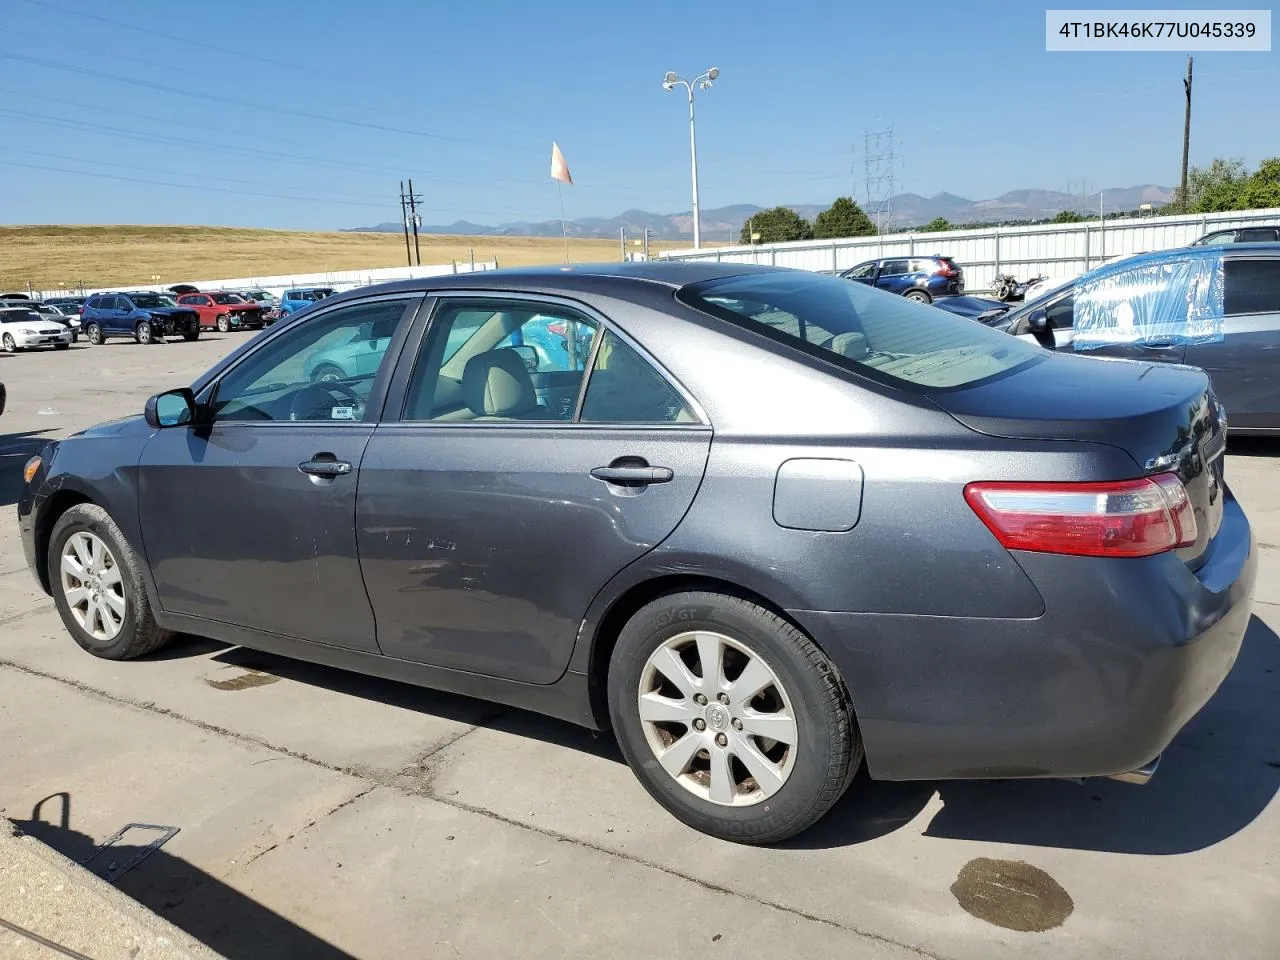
(843,218)
(777,225)
(937,225)
(1067,216)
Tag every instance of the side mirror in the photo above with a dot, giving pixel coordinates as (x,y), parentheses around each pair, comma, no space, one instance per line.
(528,355)
(1038,321)
(171,409)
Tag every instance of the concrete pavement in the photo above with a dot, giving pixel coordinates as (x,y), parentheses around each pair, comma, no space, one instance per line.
(326,814)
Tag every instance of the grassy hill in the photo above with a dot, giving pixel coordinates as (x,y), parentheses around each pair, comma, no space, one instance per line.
(63,256)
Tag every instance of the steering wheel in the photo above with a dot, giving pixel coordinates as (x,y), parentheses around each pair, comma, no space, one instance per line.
(317,401)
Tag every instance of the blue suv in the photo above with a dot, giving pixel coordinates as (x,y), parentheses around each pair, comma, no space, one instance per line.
(145,316)
(300,297)
(916,278)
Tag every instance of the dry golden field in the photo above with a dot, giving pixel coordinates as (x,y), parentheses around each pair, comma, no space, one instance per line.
(50,257)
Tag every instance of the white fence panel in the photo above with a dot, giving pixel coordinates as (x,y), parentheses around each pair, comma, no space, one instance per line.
(1052,250)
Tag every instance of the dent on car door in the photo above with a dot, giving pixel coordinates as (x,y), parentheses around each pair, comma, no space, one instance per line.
(488,520)
(1245,364)
(248,514)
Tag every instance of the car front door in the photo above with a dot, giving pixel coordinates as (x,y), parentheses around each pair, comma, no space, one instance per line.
(487,521)
(248,514)
(1245,364)
(863,272)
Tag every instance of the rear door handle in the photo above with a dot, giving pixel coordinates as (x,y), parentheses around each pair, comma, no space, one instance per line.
(325,468)
(633,476)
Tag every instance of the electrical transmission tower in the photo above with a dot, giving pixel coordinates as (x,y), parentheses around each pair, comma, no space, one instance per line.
(879,164)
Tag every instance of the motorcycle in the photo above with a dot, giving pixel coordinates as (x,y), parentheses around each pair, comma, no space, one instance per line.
(1006,287)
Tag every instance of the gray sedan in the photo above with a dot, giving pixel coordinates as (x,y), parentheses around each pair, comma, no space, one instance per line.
(763,524)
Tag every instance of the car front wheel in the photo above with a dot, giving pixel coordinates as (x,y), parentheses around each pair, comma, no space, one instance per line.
(143,333)
(98,588)
(731,717)
(223,323)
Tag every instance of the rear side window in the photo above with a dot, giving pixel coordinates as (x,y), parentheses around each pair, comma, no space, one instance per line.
(1257,234)
(876,334)
(624,388)
(893,268)
(1253,286)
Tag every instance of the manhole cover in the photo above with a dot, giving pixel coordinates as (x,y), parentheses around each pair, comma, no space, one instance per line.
(1012,894)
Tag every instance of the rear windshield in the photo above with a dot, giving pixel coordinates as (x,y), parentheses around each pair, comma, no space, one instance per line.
(874,333)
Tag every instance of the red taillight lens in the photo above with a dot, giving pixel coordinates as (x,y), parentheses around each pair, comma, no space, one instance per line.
(1126,518)
(947,270)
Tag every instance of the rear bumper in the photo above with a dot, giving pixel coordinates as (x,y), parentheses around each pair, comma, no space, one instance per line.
(1125,654)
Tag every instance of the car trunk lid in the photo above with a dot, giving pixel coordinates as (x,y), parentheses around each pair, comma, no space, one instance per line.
(1164,416)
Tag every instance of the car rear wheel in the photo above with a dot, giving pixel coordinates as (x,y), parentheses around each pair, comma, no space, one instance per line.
(98,587)
(94,333)
(142,332)
(919,296)
(731,717)
(223,323)
(9,345)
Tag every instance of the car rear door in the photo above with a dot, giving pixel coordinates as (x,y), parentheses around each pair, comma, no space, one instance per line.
(1245,365)
(893,275)
(487,522)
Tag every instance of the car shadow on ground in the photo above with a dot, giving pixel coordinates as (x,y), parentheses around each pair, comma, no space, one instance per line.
(233,925)
(1253,447)
(1217,777)
(15,450)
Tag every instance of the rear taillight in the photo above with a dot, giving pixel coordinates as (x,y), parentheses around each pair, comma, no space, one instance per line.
(947,270)
(1126,518)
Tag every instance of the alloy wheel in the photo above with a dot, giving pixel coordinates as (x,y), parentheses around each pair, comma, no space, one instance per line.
(717,718)
(9,345)
(93,586)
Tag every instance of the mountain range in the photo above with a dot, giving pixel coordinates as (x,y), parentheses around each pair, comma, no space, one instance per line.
(908,209)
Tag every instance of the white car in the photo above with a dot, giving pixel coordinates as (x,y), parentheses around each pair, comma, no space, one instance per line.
(22,328)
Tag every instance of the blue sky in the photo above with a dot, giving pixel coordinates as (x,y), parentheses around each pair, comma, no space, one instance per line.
(466,98)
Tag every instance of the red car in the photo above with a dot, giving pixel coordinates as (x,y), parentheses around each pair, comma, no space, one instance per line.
(224,311)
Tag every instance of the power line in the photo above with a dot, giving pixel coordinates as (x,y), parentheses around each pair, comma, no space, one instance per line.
(214,98)
(167,173)
(185,186)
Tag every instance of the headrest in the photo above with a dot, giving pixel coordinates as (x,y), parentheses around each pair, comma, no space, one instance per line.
(497,384)
(851,345)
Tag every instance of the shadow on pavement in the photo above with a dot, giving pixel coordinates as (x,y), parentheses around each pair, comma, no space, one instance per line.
(1253,447)
(1218,776)
(225,920)
(15,450)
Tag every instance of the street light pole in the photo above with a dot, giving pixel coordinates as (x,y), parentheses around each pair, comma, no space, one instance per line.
(703,82)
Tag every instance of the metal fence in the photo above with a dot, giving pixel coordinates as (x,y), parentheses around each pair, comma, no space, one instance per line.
(1058,250)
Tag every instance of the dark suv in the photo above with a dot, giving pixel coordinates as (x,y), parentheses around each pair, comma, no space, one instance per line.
(916,278)
(1259,234)
(145,316)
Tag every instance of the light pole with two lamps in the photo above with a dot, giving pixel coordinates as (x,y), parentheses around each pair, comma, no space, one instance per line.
(703,82)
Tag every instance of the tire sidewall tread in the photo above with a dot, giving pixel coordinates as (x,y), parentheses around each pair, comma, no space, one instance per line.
(830,749)
(139,634)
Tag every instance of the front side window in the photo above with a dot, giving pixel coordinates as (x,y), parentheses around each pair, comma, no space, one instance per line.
(226,298)
(1253,286)
(862,271)
(1216,239)
(869,332)
(321,370)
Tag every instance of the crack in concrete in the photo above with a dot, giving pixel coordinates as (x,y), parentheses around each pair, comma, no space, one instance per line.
(395,782)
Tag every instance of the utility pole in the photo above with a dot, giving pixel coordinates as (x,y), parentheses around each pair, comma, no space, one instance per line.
(414,199)
(646,243)
(1186,134)
(622,242)
(404,219)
